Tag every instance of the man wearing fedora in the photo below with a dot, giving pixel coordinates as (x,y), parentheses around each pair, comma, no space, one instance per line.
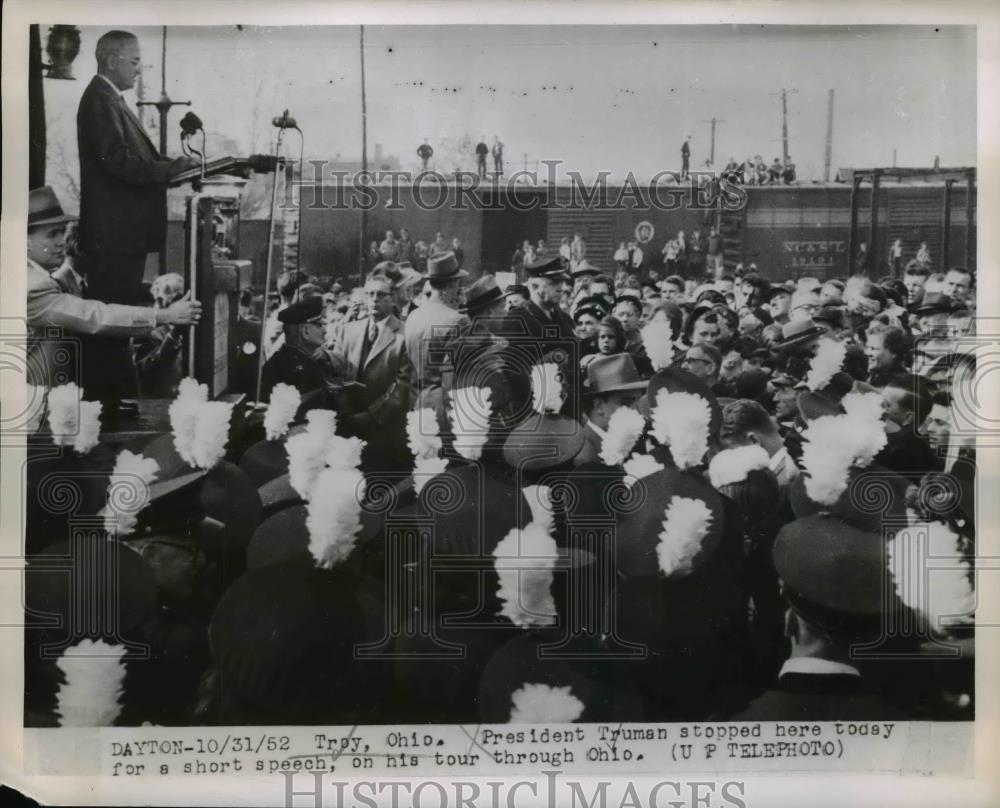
(123,203)
(612,382)
(432,331)
(51,305)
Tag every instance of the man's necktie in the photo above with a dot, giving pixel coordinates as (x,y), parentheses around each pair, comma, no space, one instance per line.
(370,336)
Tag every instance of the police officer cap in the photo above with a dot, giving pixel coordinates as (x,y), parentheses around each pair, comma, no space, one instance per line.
(305,311)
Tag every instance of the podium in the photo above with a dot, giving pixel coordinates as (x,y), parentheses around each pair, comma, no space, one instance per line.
(213,269)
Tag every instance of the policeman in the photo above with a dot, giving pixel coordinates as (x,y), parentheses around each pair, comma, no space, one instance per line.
(302,361)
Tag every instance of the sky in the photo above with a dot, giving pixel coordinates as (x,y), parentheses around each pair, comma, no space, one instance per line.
(612,98)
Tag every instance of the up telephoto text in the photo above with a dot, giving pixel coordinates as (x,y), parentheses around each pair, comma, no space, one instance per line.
(407,751)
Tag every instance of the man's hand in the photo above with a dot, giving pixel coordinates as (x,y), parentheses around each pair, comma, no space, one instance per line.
(184,311)
(183,163)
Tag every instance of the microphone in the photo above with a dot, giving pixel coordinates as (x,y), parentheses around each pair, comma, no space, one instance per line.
(285,121)
(190,124)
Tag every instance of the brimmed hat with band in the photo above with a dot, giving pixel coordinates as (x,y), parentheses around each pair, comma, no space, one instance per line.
(44,208)
(444,265)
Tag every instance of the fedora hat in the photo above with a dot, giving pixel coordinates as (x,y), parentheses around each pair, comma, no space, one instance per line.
(444,265)
(546,267)
(481,294)
(935,303)
(796,333)
(612,374)
(44,208)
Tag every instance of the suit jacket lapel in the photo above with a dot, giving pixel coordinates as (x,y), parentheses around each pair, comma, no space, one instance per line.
(386,336)
(129,114)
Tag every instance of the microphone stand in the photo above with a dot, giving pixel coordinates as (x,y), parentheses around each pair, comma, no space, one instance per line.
(268,262)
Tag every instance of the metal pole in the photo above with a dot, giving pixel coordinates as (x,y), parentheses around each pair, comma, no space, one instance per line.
(268,261)
(828,156)
(37,140)
(364,160)
(852,235)
(711,155)
(946,226)
(784,125)
(873,231)
(970,242)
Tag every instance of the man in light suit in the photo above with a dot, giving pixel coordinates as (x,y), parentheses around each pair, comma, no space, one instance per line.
(51,305)
(123,202)
(433,330)
(372,353)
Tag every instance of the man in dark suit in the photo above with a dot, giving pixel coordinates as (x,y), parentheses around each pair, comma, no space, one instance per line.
(123,203)
(612,382)
(546,277)
(372,353)
(302,361)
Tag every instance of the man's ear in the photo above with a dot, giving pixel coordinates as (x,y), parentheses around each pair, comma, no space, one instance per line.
(752,439)
(791,625)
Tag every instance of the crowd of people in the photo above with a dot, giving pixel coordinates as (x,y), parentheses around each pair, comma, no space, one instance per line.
(691,453)
(580,497)
(404,250)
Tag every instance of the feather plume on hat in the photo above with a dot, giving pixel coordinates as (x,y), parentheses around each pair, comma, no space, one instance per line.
(95,678)
(828,361)
(469,412)
(657,340)
(733,465)
(285,402)
(542,704)
(681,421)
(686,523)
(183,414)
(827,456)
(834,444)
(128,492)
(73,421)
(539,499)
(940,590)
(639,466)
(624,428)
(546,388)
(211,433)
(866,427)
(526,588)
(308,449)
(423,434)
(334,515)
(344,453)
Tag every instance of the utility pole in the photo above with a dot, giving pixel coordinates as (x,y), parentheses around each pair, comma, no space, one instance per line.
(784,126)
(164,104)
(711,153)
(525,162)
(784,123)
(828,155)
(364,161)
(893,156)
